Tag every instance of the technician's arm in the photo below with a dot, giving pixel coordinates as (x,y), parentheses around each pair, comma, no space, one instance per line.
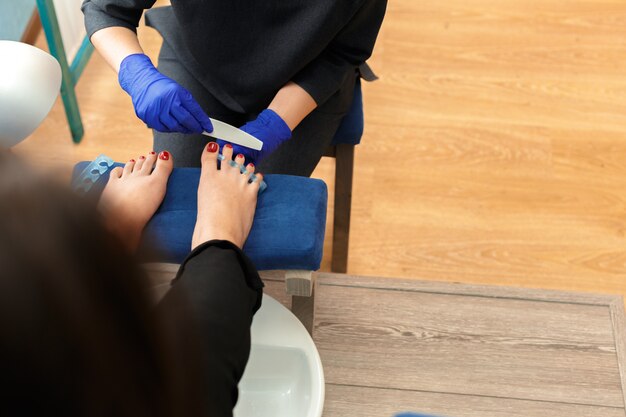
(317,82)
(222,290)
(105,21)
(116,43)
(292,103)
(159,101)
(352,46)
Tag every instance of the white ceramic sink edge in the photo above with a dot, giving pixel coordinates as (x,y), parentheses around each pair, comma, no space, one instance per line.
(284,376)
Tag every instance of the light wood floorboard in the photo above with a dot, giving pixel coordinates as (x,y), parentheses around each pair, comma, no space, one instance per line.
(458,350)
(343,401)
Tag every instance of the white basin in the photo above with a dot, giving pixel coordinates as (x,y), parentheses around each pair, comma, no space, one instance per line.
(284,376)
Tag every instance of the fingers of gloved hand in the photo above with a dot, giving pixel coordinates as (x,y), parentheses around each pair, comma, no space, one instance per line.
(151,122)
(185,119)
(172,125)
(196,111)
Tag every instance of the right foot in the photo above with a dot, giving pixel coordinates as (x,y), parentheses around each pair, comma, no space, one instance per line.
(134,193)
(226,200)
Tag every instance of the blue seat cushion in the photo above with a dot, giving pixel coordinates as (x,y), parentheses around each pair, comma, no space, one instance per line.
(288,229)
(350,130)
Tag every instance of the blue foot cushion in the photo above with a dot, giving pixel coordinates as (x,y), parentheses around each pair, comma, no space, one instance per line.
(288,229)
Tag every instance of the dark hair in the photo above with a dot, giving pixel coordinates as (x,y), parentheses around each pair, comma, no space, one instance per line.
(79,335)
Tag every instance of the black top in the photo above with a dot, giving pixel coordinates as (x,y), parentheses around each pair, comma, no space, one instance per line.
(244,51)
(222,290)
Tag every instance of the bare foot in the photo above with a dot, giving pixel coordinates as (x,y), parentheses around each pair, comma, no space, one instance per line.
(134,193)
(226,200)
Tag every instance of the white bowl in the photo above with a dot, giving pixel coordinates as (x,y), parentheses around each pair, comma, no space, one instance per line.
(30,80)
(284,376)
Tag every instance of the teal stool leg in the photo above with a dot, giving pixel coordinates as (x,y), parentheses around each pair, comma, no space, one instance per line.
(55,43)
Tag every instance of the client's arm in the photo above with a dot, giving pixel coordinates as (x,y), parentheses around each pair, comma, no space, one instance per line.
(222,291)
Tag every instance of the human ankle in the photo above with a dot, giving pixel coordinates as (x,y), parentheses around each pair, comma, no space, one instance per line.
(203,234)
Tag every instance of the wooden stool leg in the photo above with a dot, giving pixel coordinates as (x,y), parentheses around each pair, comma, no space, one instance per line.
(344,166)
(304,309)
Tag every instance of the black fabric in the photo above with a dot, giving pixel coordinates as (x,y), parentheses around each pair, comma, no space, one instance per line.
(297,156)
(222,290)
(244,51)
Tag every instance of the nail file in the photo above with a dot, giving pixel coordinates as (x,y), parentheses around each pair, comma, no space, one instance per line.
(90,175)
(231,134)
(242,169)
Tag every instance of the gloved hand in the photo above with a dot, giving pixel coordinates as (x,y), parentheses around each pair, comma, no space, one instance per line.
(270,129)
(159,101)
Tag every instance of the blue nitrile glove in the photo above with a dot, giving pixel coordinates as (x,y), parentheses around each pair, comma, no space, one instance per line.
(159,101)
(270,129)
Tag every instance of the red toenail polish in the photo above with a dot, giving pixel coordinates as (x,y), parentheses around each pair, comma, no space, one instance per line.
(240,155)
(228,145)
(212,147)
(152,153)
(250,165)
(142,157)
(132,160)
(165,155)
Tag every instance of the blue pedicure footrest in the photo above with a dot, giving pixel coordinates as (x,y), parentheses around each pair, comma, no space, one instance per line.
(288,229)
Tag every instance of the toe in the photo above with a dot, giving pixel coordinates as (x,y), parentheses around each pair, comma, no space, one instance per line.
(128,168)
(256,182)
(209,156)
(139,164)
(164,164)
(240,159)
(116,172)
(148,164)
(248,171)
(227,151)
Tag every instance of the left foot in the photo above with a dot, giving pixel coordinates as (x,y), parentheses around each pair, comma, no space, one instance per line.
(134,193)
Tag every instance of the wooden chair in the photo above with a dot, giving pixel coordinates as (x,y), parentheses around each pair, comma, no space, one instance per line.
(347,137)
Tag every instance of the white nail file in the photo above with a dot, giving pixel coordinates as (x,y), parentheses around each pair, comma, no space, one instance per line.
(231,134)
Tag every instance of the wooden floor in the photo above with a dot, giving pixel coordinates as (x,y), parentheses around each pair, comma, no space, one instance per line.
(458,350)
(494,151)
(465,351)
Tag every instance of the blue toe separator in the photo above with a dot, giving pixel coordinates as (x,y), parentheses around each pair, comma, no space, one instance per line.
(91,174)
(242,169)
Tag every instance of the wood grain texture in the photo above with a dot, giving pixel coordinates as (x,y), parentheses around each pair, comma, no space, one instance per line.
(494,149)
(347,401)
(482,346)
(619,332)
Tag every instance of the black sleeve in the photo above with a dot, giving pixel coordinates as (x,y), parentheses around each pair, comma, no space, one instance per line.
(351,47)
(222,290)
(100,14)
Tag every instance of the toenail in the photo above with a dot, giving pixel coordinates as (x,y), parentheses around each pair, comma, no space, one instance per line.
(132,160)
(250,165)
(152,153)
(240,155)
(142,157)
(228,145)
(212,147)
(165,155)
